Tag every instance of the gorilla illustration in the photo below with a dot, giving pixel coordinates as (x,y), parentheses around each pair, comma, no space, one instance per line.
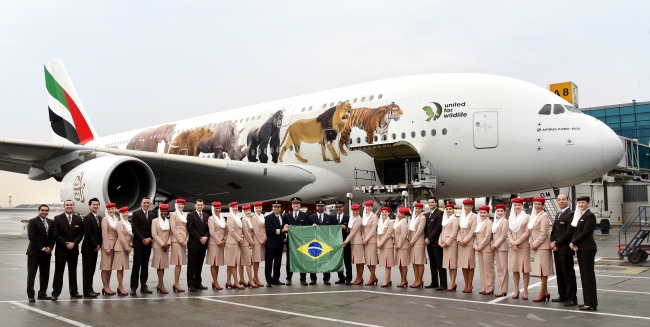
(259,138)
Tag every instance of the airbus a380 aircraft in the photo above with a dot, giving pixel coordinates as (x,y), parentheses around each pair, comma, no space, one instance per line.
(456,135)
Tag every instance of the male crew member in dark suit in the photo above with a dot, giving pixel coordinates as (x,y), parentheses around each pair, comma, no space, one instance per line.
(432,232)
(320,218)
(67,230)
(39,252)
(563,255)
(197,227)
(342,219)
(90,247)
(585,246)
(142,243)
(297,218)
(275,229)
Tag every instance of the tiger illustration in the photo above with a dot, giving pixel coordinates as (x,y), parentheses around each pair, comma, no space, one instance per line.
(373,121)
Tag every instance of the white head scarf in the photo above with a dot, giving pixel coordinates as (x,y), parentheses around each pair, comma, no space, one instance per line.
(398,222)
(248,220)
(127,225)
(533,217)
(162,222)
(366,216)
(112,221)
(446,219)
(479,222)
(218,219)
(414,221)
(576,217)
(464,219)
(497,222)
(514,222)
(259,217)
(353,218)
(181,216)
(381,223)
(235,217)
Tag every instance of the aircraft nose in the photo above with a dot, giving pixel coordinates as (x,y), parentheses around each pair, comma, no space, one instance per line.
(612,147)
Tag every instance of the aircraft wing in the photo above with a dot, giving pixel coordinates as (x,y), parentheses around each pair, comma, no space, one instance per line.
(176,175)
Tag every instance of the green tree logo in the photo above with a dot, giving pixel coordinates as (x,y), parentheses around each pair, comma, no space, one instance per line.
(431,113)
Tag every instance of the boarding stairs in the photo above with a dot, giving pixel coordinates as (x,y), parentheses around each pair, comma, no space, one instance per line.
(630,239)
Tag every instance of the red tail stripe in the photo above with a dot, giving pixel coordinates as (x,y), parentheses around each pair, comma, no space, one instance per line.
(80,124)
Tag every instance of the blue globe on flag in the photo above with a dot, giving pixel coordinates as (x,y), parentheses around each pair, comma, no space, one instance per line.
(315,249)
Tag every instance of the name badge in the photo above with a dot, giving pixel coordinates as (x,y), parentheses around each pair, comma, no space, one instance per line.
(561,223)
(582,220)
(76,225)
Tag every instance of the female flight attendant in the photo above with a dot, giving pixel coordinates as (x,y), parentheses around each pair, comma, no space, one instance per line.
(500,247)
(234,239)
(583,243)
(109,237)
(449,244)
(402,253)
(216,243)
(417,244)
(541,244)
(484,250)
(385,244)
(162,241)
(180,236)
(245,259)
(259,239)
(355,239)
(369,223)
(466,253)
(520,254)
(122,249)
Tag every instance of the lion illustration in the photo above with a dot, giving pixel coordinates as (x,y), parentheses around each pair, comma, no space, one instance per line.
(187,143)
(322,129)
(259,137)
(373,121)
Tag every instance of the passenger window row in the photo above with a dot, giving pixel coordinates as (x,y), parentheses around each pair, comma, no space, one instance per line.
(324,106)
(393,136)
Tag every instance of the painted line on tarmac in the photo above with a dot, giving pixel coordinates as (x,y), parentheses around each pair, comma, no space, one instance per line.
(289,313)
(51,315)
(499,299)
(612,276)
(617,291)
(512,305)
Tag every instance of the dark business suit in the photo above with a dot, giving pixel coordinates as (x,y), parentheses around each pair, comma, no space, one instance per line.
(92,238)
(347,252)
(141,225)
(327,220)
(432,231)
(64,231)
(39,237)
(197,227)
(583,238)
(273,247)
(561,234)
(301,220)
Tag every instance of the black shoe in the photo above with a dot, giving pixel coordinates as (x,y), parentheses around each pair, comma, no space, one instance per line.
(313,282)
(432,286)
(288,283)
(192,289)
(76,295)
(32,300)
(96,293)
(44,297)
(91,295)
(327,282)
(348,282)
(587,308)
(269,285)
(201,287)
(559,299)
(303,283)
(340,281)
(133,291)
(569,303)
(280,283)
(54,297)
(441,288)
(145,290)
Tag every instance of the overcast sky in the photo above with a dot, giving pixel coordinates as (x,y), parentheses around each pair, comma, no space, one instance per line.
(136,63)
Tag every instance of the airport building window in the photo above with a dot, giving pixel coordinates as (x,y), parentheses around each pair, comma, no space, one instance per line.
(643,116)
(558,109)
(612,119)
(433,132)
(546,110)
(627,118)
(612,112)
(444,131)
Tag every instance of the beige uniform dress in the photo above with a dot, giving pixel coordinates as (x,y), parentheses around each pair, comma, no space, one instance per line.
(123,244)
(485,256)
(259,238)
(179,235)
(385,245)
(355,240)
(520,259)
(466,254)
(543,257)
(418,254)
(500,242)
(218,234)
(402,255)
(109,237)
(370,236)
(160,237)
(232,242)
(450,250)
(244,247)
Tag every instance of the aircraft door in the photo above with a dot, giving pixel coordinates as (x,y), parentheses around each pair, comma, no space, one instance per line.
(485,129)
(288,112)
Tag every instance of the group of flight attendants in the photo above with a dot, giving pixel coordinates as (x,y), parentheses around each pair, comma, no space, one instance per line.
(245,239)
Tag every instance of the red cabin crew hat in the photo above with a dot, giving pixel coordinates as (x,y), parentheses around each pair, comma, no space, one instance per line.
(233,204)
(246,207)
(216,205)
(418,205)
(110,205)
(485,208)
(179,200)
(404,210)
(449,205)
(355,207)
(369,203)
(468,201)
(124,209)
(385,209)
(518,200)
(500,206)
(257,204)
(539,199)
(164,206)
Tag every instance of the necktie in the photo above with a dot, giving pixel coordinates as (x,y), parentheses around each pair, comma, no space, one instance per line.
(97,219)
(320,218)
(70,220)
(338,217)
(45,224)
(295,215)
(280,220)
(146,215)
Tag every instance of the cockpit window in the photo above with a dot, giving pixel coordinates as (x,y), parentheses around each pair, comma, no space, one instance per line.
(558,109)
(546,110)
(573,109)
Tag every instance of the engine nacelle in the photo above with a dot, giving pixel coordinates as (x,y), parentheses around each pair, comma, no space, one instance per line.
(120,179)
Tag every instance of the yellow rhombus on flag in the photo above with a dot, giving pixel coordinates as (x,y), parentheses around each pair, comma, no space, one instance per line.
(315,249)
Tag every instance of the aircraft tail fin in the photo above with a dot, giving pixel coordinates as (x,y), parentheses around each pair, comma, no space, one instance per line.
(68,117)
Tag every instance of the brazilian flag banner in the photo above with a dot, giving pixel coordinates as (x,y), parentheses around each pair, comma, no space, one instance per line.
(316,249)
